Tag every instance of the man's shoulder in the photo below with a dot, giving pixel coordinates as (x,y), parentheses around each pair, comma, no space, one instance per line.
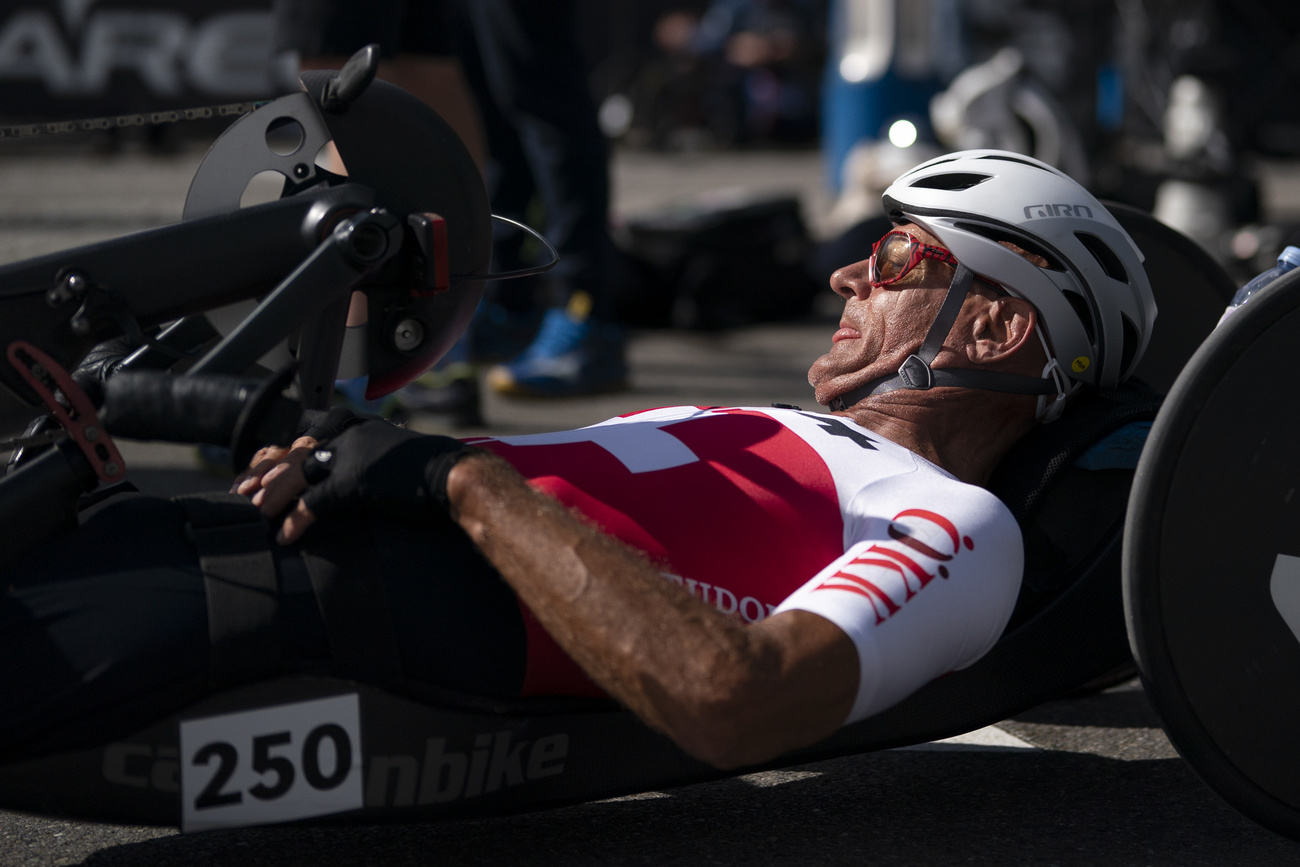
(930,491)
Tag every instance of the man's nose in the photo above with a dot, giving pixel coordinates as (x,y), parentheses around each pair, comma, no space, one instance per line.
(853,281)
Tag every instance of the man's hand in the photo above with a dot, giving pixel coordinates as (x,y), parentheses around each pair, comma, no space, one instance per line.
(269,463)
(315,427)
(375,466)
(276,467)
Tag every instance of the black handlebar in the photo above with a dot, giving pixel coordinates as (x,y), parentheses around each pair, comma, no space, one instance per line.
(210,408)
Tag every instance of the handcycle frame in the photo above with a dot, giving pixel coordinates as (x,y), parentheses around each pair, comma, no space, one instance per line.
(430,753)
(409,226)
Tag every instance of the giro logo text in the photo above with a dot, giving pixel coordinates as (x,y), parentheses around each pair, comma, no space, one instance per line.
(493,762)
(1035,211)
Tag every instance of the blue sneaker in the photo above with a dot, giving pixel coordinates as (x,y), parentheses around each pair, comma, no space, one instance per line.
(571,355)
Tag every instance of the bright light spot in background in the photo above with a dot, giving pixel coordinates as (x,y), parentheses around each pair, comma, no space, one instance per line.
(615,115)
(854,67)
(902,133)
(1245,244)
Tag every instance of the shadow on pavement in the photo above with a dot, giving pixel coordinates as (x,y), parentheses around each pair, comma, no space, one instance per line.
(884,808)
(1124,707)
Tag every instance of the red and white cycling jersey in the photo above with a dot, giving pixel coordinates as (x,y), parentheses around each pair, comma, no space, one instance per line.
(758,511)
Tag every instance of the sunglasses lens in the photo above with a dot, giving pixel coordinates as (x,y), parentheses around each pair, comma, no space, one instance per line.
(892,257)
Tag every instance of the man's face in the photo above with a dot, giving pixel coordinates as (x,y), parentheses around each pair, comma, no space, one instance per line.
(880,326)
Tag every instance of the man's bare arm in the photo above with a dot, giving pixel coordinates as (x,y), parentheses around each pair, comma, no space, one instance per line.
(727,693)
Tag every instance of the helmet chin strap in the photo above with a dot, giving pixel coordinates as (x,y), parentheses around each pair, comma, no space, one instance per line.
(1050,408)
(916,374)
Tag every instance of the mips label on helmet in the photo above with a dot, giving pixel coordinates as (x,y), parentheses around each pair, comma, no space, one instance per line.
(1080,364)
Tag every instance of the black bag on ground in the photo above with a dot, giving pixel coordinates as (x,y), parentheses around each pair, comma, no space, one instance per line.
(716,262)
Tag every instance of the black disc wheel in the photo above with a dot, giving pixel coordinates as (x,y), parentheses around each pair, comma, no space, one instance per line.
(1212,560)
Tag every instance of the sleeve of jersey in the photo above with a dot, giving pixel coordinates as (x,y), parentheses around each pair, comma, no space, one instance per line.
(926,586)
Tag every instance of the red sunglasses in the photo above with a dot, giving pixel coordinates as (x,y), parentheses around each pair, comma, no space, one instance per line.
(894,255)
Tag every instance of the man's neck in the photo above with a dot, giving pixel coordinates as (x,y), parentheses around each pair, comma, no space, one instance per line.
(964,431)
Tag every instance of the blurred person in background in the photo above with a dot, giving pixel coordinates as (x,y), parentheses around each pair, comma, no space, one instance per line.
(770,61)
(743,72)
(510,78)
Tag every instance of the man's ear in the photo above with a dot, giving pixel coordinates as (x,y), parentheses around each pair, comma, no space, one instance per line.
(1002,329)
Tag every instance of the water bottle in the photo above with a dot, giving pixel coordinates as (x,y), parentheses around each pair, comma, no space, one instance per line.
(1289,259)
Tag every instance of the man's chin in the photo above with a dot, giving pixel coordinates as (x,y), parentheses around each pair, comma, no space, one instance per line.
(829,391)
(825,371)
(827,385)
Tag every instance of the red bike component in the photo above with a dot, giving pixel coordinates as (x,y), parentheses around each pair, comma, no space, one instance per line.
(80,421)
(431,236)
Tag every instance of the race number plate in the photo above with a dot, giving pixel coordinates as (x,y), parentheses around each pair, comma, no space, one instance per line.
(274,764)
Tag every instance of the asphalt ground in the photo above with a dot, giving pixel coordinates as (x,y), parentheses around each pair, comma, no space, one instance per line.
(1080,781)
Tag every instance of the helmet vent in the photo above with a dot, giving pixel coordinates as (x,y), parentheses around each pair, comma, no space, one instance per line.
(1009,158)
(938,161)
(1080,305)
(1104,255)
(951,181)
(1131,342)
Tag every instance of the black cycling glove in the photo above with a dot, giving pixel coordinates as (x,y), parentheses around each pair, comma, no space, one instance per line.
(385,468)
(325,424)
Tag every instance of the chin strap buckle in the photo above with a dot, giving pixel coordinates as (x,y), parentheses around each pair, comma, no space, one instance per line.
(916,374)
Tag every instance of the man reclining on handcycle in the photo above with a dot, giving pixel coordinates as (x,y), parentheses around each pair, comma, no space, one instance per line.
(746,580)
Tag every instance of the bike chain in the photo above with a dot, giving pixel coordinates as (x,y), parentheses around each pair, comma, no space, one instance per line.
(62,127)
(91,124)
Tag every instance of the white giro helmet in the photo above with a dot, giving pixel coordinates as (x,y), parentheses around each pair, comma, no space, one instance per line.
(1094,300)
